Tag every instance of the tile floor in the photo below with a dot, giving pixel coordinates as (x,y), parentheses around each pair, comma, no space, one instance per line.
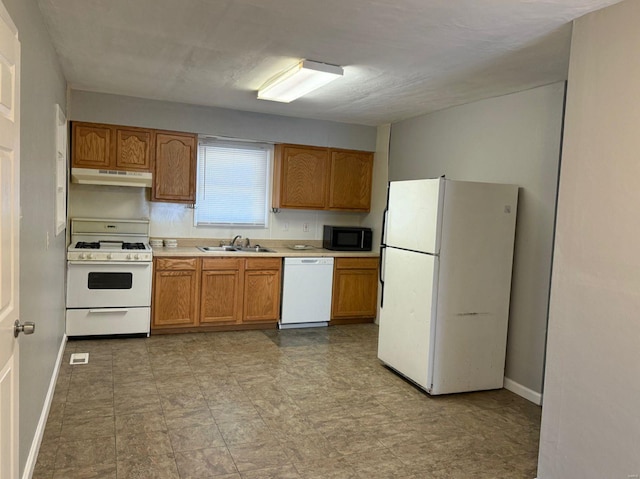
(311,404)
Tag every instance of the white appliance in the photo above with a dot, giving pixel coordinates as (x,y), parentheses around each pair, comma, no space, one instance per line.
(306,292)
(109,275)
(446,281)
(92,176)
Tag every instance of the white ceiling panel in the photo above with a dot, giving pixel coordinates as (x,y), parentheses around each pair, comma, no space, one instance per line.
(401,58)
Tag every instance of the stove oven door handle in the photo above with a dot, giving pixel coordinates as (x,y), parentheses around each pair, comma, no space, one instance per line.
(109,310)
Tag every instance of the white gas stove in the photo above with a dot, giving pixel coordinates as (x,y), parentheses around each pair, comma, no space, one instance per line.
(109,240)
(109,274)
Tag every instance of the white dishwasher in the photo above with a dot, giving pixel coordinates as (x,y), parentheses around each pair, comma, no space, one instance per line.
(306,292)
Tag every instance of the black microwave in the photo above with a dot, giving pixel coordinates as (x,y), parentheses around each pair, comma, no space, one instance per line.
(347,238)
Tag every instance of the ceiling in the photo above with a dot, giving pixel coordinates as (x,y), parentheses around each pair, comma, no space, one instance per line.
(401,58)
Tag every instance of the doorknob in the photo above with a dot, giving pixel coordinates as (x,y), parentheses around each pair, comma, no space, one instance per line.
(28,327)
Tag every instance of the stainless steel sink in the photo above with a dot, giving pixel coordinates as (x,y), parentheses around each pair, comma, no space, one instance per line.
(212,249)
(254,249)
(234,249)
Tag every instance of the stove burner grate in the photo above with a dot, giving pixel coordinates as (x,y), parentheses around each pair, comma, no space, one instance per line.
(88,245)
(110,244)
(133,246)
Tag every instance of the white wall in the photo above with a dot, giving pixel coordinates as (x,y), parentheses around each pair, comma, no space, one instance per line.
(379,185)
(509,139)
(41,267)
(591,413)
(170,220)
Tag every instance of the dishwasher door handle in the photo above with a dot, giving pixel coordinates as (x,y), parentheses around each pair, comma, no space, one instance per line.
(310,261)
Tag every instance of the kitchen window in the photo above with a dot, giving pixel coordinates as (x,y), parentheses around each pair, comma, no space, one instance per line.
(233,183)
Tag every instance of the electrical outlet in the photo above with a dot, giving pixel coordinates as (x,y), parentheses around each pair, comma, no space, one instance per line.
(285,226)
(305,227)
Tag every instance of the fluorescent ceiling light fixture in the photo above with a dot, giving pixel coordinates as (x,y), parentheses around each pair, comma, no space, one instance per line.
(297,81)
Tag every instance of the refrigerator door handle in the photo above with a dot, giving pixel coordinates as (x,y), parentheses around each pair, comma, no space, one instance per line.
(382,251)
(384,220)
(384,227)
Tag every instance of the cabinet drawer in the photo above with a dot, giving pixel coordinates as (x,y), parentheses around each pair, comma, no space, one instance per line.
(220,263)
(177,264)
(263,263)
(356,263)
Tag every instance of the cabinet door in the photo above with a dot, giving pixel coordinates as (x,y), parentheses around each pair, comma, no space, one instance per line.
(355,288)
(221,299)
(174,298)
(350,180)
(91,146)
(301,177)
(175,168)
(133,149)
(262,286)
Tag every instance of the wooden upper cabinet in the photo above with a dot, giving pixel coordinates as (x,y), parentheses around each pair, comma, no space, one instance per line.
(175,167)
(301,177)
(350,180)
(91,145)
(111,147)
(315,178)
(133,149)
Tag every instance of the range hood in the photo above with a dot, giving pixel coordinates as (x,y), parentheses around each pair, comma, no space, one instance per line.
(90,176)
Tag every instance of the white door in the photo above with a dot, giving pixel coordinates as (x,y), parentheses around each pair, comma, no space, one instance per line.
(404,341)
(9,229)
(414,214)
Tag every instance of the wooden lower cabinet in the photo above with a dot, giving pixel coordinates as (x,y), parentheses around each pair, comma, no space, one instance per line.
(355,290)
(262,289)
(221,293)
(175,293)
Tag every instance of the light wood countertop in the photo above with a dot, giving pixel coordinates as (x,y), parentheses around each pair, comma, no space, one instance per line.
(279,252)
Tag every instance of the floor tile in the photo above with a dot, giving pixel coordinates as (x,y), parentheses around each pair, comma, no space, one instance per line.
(86,453)
(294,404)
(252,456)
(246,432)
(181,418)
(178,400)
(202,463)
(100,471)
(83,427)
(337,468)
(124,404)
(282,472)
(148,443)
(196,437)
(148,467)
(140,422)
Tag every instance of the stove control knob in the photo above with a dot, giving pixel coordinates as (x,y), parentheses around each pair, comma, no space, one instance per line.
(137,256)
(128,256)
(89,256)
(109,256)
(81,256)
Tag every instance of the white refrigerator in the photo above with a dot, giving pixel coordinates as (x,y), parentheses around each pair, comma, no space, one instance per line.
(447,253)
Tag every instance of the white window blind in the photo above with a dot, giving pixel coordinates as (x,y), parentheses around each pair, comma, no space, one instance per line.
(233,183)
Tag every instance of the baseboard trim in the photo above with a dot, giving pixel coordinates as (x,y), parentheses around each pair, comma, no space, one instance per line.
(42,422)
(523,391)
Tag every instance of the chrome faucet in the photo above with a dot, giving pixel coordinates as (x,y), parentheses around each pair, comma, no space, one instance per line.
(235,238)
(247,243)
